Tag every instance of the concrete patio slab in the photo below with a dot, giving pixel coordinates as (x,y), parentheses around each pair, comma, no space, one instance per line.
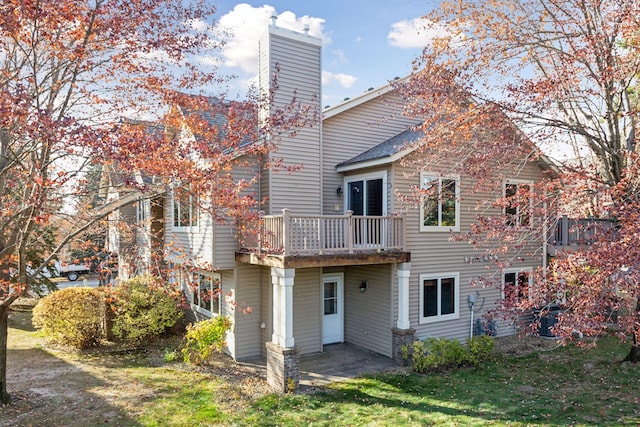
(339,362)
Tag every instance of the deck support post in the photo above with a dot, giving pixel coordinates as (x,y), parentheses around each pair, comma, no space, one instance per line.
(282,355)
(404,271)
(403,335)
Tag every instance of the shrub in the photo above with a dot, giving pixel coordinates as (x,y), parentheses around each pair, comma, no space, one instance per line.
(480,348)
(71,316)
(437,354)
(143,308)
(204,338)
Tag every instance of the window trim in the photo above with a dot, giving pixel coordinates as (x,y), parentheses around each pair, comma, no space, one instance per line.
(143,212)
(366,177)
(456,289)
(192,297)
(440,228)
(194,220)
(518,182)
(516,270)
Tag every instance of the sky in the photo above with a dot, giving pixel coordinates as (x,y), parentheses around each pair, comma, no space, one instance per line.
(366,43)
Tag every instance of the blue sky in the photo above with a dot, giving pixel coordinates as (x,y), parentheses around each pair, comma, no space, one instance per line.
(366,43)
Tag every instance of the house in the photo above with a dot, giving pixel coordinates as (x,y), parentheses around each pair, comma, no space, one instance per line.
(336,256)
(135,228)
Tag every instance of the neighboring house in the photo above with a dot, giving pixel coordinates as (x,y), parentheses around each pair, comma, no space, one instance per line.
(135,231)
(339,258)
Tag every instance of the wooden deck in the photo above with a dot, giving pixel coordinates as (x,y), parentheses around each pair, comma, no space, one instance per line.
(575,234)
(291,241)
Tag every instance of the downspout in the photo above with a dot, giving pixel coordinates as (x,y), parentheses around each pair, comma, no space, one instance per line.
(545,236)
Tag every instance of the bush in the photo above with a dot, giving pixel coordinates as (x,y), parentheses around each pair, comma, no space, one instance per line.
(438,354)
(480,349)
(71,316)
(143,308)
(204,338)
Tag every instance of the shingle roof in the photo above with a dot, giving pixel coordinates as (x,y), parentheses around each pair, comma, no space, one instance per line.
(387,148)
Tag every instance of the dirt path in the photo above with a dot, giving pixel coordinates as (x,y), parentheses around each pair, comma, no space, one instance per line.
(51,388)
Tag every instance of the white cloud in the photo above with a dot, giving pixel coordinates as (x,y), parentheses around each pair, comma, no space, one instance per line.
(341,58)
(344,80)
(245,25)
(415,33)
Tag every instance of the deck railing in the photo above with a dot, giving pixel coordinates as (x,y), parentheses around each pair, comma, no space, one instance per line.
(288,234)
(576,232)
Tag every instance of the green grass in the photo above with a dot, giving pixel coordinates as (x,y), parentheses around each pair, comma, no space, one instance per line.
(570,386)
(565,386)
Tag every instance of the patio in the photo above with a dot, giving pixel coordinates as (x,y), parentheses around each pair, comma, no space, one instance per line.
(338,362)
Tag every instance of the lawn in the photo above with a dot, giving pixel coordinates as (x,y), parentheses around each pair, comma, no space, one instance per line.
(563,386)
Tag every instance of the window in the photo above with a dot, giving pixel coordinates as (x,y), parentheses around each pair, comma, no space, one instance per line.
(516,284)
(366,194)
(518,195)
(143,209)
(439,296)
(206,293)
(185,211)
(441,203)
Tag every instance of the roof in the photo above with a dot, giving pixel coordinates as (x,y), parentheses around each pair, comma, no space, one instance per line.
(349,103)
(215,112)
(387,150)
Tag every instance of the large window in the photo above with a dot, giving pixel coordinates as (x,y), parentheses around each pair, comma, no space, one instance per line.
(206,293)
(518,195)
(185,210)
(441,203)
(439,297)
(516,284)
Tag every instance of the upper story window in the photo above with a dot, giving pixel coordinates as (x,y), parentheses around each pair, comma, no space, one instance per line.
(185,208)
(143,210)
(366,194)
(441,203)
(516,284)
(519,197)
(439,297)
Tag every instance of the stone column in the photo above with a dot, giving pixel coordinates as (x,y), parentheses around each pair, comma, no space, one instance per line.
(401,345)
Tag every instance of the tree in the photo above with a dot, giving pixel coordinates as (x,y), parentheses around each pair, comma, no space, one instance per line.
(564,72)
(70,71)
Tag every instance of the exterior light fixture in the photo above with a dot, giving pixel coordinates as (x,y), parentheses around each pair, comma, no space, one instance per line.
(363,286)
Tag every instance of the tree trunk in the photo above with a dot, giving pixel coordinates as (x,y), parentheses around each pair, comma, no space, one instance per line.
(4,326)
(634,353)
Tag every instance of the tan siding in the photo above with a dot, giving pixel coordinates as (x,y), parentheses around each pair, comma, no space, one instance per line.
(193,244)
(266,308)
(306,310)
(227,293)
(225,243)
(299,65)
(435,253)
(350,133)
(247,311)
(368,314)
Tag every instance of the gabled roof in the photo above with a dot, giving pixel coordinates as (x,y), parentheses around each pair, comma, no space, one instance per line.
(214,112)
(386,152)
(350,103)
(395,148)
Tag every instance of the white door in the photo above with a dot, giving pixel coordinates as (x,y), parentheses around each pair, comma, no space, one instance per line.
(332,309)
